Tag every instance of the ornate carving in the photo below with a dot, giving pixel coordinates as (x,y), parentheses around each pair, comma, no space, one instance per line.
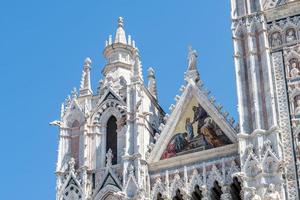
(276,39)
(252,165)
(176,183)
(158,189)
(251,195)
(214,175)
(271,193)
(290,35)
(270,160)
(284,124)
(195,180)
(226,193)
(72,165)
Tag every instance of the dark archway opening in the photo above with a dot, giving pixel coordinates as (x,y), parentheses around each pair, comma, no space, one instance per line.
(178,195)
(75,142)
(235,189)
(216,191)
(111,138)
(197,193)
(159,196)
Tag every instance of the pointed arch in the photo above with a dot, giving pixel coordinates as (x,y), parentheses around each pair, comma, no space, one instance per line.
(235,189)
(75,142)
(216,191)
(111,138)
(197,193)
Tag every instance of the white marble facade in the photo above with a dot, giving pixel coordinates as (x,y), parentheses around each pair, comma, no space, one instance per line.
(118,143)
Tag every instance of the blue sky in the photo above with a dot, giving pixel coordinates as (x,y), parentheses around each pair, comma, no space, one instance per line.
(42,48)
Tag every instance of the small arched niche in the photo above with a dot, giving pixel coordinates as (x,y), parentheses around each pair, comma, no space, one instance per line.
(216,191)
(75,142)
(111,138)
(197,193)
(178,195)
(235,189)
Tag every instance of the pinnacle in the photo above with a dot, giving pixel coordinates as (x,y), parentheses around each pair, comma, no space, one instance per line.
(120,22)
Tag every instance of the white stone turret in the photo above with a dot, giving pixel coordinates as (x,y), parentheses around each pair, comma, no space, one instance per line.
(85,85)
(122,59)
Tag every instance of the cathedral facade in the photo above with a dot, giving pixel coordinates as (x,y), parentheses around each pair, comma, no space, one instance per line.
(118,143)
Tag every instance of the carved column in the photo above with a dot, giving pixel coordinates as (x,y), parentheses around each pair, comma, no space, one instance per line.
(254,70)
(103,144)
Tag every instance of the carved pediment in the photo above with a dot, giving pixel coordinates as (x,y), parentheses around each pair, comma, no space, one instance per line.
(195,131)
(195,124)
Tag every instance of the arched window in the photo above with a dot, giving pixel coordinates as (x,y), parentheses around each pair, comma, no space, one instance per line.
(111,138)
(235,189)
(197,193)
(75,142)
(178,195)
(216,191)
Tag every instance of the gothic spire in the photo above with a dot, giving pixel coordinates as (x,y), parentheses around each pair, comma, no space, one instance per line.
(152,82)
(120,33)
(192,71)
(85,85)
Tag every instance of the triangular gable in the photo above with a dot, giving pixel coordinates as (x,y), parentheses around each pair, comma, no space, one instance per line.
(185,132)
(74,112)
(111,95)
(69,182)
(109,180)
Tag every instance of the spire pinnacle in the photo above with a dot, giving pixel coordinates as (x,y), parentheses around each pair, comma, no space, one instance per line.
(85,85)
(152,82)
(120,22)
(120,33)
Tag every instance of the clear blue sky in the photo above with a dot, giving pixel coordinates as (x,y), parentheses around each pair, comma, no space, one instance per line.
(42,48)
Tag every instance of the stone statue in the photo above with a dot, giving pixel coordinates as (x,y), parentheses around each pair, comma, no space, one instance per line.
(252,195)
(276,39)
(297,106)
(192,59)
(72,164)
(290,35)
(294,70)
(271,193)
(109,157)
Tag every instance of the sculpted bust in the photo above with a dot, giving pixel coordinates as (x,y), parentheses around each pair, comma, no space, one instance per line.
(271,193)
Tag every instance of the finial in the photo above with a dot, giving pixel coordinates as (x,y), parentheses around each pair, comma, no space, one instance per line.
(87,61)
(120,22)
(150,71)
(74,93)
